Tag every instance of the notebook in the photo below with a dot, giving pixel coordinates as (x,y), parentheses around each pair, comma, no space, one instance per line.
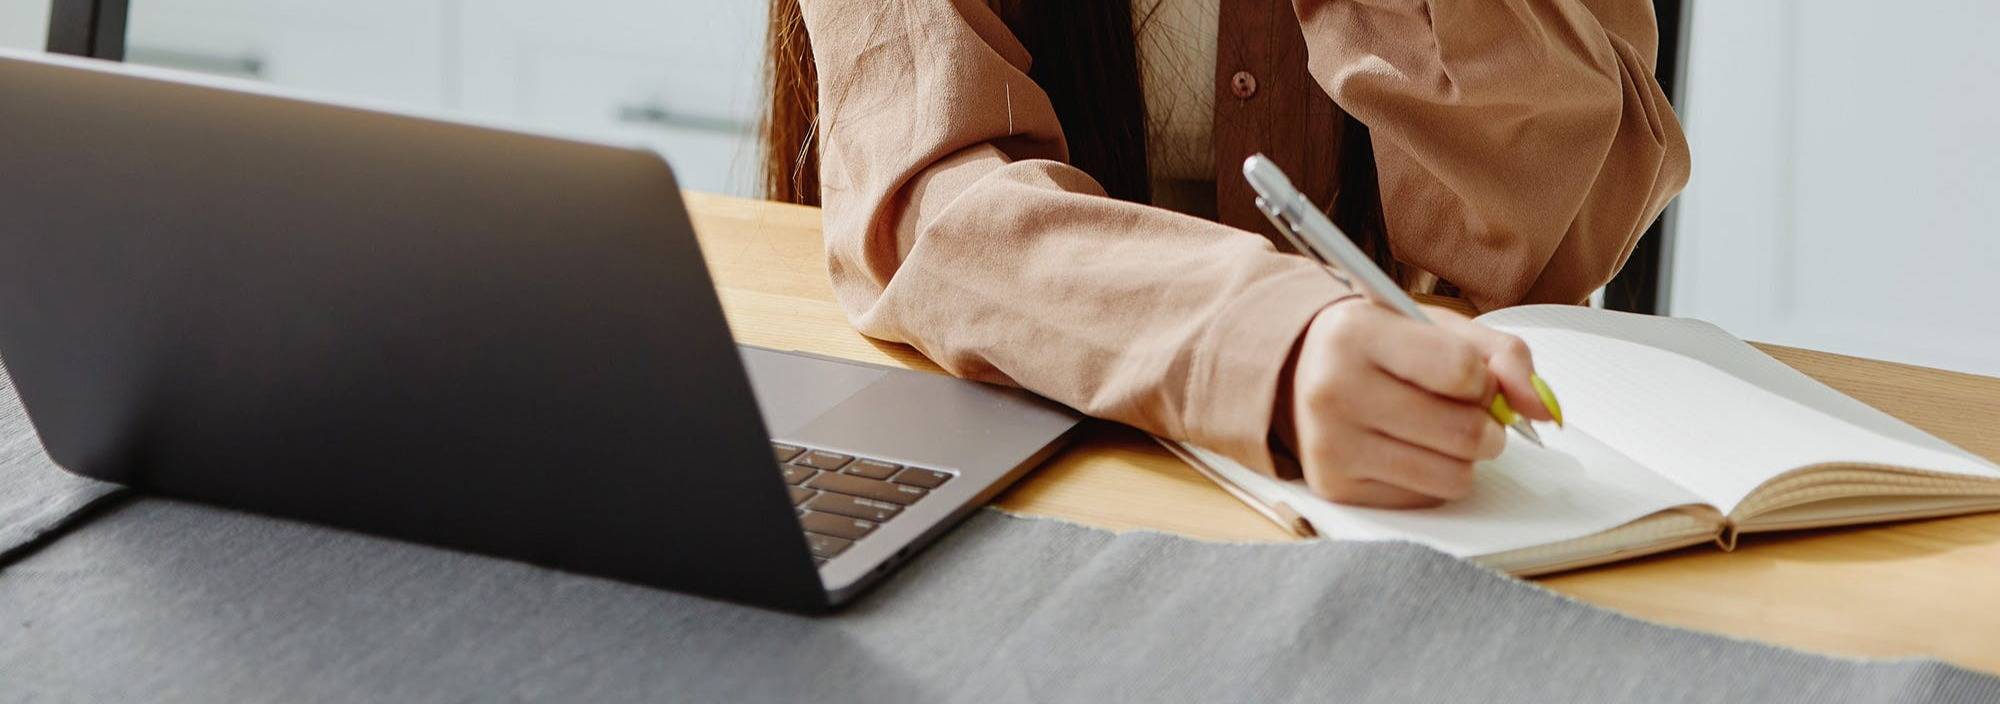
(1679,434)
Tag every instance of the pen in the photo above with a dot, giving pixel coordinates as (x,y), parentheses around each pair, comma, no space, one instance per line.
(1315,236)
(1277,512)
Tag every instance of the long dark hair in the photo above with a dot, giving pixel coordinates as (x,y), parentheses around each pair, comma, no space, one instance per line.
(1085,58)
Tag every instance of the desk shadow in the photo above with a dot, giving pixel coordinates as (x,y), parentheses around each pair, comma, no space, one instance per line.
(1913,538)
(1762,552)
(905,354)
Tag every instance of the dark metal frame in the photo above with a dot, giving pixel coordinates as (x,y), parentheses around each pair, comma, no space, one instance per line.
(93,28)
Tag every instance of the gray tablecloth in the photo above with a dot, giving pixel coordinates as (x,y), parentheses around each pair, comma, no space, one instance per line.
(162,601)
(170,602)
(35,496)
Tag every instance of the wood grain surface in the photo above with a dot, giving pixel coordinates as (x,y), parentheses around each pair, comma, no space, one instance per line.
(1915,588)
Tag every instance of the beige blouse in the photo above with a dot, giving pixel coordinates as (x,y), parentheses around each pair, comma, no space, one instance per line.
(1521,147)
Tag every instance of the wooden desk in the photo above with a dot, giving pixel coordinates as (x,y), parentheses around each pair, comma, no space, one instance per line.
(1916,588)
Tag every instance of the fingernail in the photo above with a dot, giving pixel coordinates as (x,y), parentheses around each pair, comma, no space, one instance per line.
(1501,411)
(1548,398)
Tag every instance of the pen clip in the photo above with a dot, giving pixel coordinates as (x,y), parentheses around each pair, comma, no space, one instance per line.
(1290,231)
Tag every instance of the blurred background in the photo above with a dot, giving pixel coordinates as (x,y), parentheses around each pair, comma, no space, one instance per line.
(682,76)
(1846,152)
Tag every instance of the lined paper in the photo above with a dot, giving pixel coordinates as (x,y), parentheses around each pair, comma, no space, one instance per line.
(1526,497)
(1664,412)
(1706,410)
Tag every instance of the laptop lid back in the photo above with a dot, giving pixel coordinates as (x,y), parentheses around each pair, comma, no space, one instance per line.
(467,337)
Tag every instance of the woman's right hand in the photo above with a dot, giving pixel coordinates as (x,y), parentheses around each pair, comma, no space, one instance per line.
(1384,411)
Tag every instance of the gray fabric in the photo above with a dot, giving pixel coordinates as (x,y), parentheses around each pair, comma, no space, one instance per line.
(162,601)
(35,496)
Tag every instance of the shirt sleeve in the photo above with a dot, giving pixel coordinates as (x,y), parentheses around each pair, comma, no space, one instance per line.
(953,223)
(1521,146)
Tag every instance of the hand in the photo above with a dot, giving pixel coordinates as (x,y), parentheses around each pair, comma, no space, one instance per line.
(1385,411)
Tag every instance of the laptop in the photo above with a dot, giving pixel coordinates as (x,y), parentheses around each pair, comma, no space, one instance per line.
(483,339)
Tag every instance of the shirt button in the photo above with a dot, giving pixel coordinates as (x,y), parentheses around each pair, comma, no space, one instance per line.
(1243,84)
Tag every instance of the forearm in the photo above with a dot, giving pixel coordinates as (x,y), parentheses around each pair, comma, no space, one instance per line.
(953,224)
(1168,323)
(1522,146)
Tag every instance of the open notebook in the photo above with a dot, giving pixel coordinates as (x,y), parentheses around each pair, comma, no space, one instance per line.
(1680,434)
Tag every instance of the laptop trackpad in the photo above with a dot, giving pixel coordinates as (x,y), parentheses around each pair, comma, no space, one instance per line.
(938,420)
(793,389)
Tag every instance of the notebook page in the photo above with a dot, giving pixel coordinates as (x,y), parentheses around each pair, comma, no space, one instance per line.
(1707,410)
(1711,344)
(1527,497)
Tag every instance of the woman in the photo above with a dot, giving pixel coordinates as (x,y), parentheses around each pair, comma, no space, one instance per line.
(1043,192)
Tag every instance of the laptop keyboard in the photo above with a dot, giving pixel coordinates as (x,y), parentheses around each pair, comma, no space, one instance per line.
(841,499)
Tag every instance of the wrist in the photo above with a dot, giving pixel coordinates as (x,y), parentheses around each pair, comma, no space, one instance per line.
(1284,429)
(1284,437)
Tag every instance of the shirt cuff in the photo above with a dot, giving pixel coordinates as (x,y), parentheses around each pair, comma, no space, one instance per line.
(1233,383)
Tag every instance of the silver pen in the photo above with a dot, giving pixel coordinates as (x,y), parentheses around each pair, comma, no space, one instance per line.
(1313,235)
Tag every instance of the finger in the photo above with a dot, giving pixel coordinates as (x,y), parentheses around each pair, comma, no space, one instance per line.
(1429,356)
(1393,407)
(1371,493)
(1510,361)
(1393,461)
(1331,472)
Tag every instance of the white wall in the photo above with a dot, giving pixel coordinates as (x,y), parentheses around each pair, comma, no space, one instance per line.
(24,24)
(683,76)
(1846,189)
(388,49)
